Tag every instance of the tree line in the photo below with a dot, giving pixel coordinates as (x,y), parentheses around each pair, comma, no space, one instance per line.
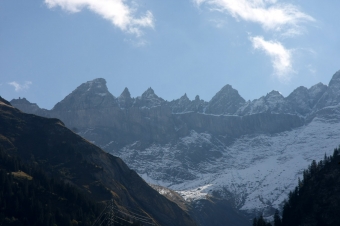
(315,201)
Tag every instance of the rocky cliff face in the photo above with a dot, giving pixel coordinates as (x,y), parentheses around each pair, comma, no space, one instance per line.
(247,153)
(90,95)
(226,102)
(124,100)
(331,96)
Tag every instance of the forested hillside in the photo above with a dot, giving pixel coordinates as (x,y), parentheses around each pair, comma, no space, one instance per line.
(29,197)
(49,150)
(316,199)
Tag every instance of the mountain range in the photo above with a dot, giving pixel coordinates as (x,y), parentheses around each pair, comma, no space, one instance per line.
(246,155)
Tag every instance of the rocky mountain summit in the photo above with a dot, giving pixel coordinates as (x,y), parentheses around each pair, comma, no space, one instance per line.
(89,95)
(226,102)
(246,154)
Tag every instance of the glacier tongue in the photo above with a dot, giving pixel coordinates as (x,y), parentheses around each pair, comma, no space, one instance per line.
(255,171)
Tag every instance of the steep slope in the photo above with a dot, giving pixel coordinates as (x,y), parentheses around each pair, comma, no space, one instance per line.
(28,107)
(316,199)
(273,102)
(36,199)
(184,105)
(60,152)
(148,100)
(124,100)
(331,96)
(250,158)
(89,95)
(226,102)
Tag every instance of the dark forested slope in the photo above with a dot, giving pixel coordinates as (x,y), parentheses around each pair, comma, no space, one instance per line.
(29,197)
(48,144)
(316,199)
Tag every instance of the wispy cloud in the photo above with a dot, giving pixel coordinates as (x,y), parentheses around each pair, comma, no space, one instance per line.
(118,12)
(280,56)
(271,15)
(19,87)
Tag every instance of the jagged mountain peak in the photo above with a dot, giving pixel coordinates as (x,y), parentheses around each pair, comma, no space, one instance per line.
(125,93)
(320,84)
(316,91)
(331,95)
(274,93)
(227,91)
(335,79)
(274,96)
(148,92)
(227,87)
(91,94)
(197,98)
(226,101)
(148,99)
(125,100)
(298,93)
(95,84)
(184,97)
(300,89)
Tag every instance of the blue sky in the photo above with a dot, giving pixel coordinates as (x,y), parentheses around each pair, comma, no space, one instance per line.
(49,47)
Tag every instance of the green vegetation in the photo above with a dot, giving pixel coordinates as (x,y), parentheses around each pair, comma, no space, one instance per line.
(316,199)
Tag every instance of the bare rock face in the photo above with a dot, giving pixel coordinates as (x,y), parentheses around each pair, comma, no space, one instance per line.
(90,95)
(315,93)
(124,100)
(302,100)
(226,102)
(148,100)
(331,96)
(180,105)
(29,107)
(184,105)
(273,102)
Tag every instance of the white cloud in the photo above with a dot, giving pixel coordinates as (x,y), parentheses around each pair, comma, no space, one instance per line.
(19,87)
(271,15)
(280,56)
(118,12)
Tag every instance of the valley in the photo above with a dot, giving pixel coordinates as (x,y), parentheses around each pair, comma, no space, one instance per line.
(245,154)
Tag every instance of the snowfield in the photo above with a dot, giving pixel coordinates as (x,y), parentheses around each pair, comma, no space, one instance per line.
(255,171)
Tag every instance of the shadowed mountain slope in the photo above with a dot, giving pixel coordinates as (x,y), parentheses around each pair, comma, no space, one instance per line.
(59,151)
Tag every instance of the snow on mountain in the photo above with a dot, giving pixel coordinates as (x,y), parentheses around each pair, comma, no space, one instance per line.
(332,95)
(273,102)
(249,153)
(183,105)
(256,171)
(315,92)
(148,99)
